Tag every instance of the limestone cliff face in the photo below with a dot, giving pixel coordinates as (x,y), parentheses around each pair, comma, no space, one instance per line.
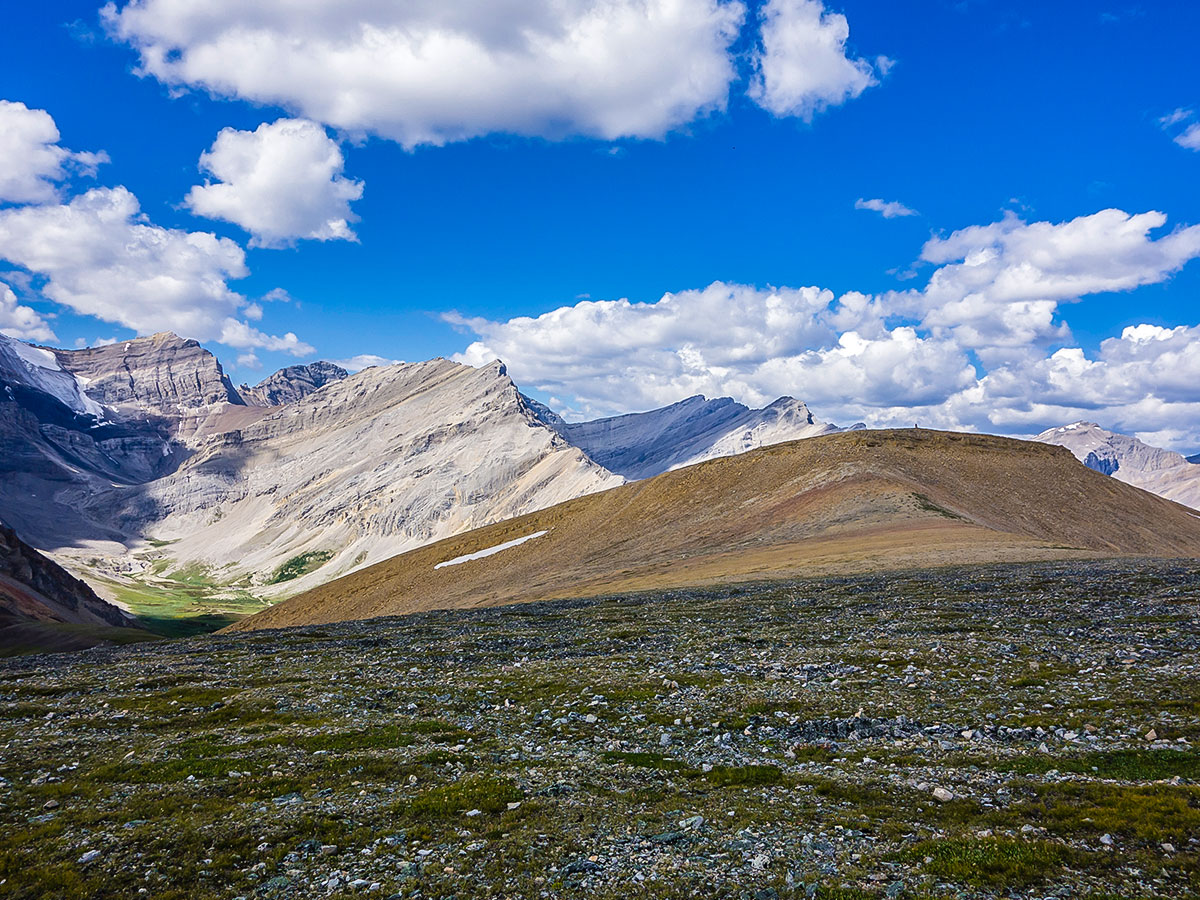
(292,384)
(33,588)
(163,373)
(78,423)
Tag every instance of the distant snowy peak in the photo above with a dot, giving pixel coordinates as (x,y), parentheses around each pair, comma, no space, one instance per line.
(1128,459)
(642,445)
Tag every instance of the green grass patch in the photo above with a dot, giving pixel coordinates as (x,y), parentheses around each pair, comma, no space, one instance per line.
(1150,813)
(301,565)
(992,863)
(1123,765)
(729,776)
(649,761)
(490,796)
(346,741)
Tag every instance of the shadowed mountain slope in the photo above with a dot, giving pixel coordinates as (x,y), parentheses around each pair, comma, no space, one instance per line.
(642,445)
(43,608)
(34,587)
(856,501)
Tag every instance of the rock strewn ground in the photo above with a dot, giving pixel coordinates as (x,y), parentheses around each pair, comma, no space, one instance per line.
(1006,731)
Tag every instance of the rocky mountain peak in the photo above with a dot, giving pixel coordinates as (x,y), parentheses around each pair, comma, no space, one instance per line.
(1129,459)
(292,384)
(163,372)
(641,445)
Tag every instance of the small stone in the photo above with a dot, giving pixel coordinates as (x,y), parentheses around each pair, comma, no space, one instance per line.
(516,804)
(1106,840)
(692,823)
(665,739)
(90,856)
(50,804)
(581,867)
(942,795)
(472,813)
(1168,848)
(1152,735)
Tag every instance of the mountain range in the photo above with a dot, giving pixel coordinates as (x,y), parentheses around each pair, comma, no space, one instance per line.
(140,465)
(839,503)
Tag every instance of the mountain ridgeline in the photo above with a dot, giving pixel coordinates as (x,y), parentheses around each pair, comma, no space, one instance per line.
(840,503)
(136,460)
(141,467)
(1128,459)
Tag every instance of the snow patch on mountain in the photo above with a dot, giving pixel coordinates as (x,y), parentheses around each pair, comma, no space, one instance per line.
(490,551)
(38,368)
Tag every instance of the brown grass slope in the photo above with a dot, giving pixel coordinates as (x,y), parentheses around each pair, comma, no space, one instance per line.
(858,501)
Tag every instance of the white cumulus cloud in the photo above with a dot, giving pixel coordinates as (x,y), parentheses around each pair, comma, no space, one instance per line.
(889,209)
(980,347)
(100,257)
(31,160)
(433,71)
(363,361)
(281,182)
(1190,138)
(803,66)
(754,344)
(1001,285)
(22,322)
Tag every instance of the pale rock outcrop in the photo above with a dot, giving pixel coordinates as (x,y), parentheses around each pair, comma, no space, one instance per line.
(1128,459)
(162,373)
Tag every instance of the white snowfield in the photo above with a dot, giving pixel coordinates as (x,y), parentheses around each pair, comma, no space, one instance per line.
(39,369)
(490,551)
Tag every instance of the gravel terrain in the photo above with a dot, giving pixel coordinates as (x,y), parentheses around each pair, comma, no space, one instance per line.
(1005,731)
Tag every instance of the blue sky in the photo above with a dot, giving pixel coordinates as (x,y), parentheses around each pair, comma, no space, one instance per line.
(521,205)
